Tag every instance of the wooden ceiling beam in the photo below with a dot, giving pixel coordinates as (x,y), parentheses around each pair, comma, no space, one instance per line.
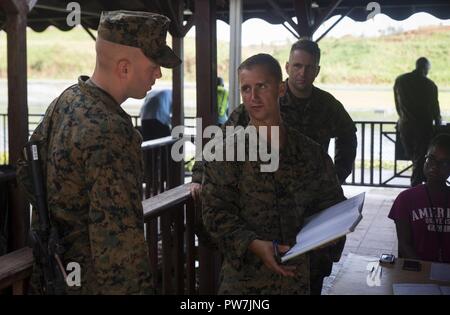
(303,12)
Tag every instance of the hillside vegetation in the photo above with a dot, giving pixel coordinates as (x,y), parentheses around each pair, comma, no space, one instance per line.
(54,54)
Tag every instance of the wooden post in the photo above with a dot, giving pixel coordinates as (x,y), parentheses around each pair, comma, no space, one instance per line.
(303,12)
(16,24)
(178,30)
(327,12)
(18,288)
(178,103)
(206,61)
(206,67)
(178,84)
(235,52)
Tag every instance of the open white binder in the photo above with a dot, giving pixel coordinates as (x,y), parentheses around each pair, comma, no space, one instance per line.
(327,225)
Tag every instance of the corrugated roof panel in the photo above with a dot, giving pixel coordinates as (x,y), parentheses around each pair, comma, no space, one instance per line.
(52,12)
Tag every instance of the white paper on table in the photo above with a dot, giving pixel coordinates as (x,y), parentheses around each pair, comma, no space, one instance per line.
(445,290)
(440,272)
(416,289)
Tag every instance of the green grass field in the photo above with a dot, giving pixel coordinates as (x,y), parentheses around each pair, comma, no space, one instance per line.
(358,71)
(374,61)
(54,54)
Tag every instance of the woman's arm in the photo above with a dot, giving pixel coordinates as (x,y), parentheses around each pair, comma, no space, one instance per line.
(405,240)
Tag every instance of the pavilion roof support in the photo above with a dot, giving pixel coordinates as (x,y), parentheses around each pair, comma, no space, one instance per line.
(178,84)
(16,23)
(279,11)
(235,52)
(206,62)
(334,24)
(326,14)
(292,31)
(206,76)
(89,32)
(304,14)
(175,11)
(309,18)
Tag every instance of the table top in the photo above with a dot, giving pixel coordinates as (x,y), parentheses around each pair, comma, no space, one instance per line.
(364,275)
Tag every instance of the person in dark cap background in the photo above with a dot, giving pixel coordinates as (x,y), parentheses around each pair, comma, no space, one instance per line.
(416,101)
(94,162)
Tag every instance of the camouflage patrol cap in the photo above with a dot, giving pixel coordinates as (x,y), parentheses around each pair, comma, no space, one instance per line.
(144,30)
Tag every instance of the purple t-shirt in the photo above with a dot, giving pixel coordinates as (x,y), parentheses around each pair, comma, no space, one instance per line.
(413,205)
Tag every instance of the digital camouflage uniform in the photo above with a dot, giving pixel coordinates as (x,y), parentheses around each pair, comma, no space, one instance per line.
(241,204)
(416,101)
(94,190)
(144,30)
(321,117)
(94,170)
(239,117)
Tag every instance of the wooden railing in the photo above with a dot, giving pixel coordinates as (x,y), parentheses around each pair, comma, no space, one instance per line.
(15,270)
(180,264)
(178,258)
(176,266)
(7,182)
(160,171)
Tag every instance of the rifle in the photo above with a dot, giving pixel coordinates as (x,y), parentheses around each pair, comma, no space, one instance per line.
(45,241)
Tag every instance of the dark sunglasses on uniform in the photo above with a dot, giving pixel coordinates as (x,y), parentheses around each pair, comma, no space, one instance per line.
(439,163)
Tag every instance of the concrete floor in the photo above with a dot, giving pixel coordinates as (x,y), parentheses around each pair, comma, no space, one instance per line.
(375,234)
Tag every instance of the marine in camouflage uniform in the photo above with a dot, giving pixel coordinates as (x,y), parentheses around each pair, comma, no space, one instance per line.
(321,117)
(241,204)
(94,170)
(94,190)
(321,260)
(244,209)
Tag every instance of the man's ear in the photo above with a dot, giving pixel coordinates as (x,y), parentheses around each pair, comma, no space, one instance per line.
(286,67)
(123,68)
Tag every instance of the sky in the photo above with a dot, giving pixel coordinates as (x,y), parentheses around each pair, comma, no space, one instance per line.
(257,31)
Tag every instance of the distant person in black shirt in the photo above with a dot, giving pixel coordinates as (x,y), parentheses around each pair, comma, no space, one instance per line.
(416,101)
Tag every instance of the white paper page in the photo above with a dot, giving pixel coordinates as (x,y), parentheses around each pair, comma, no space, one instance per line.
(416,289)
(343,207)
(324,223)
(445,290)
(324,233)
(440,272)
(301,248)
(328,225)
